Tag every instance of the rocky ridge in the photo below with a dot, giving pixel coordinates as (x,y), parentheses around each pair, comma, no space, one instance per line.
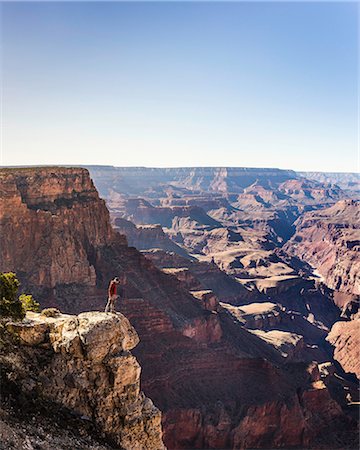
(39,209)
(350,182)
(345,337)
(83,364)
(329,239)
(147,236)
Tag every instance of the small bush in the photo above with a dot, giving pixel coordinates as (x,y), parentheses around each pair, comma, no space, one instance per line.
(50,312)
(28,303)
(10,305)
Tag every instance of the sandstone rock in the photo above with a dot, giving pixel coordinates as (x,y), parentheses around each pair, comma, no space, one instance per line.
(147,236)
(200,275)
(207,299)
(329,239)
(290,345)
(29,333)
(345,337)
(50,203)
(259,428)
(257,315)
(90,371)
(206,330)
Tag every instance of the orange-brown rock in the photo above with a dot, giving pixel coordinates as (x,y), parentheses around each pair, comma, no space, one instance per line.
(196,362)
(145,237)
(345,337)
(200,275)
(329,239)
(83,363)
(51,221)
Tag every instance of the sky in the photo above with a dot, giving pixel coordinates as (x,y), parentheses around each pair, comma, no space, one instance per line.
(171,84)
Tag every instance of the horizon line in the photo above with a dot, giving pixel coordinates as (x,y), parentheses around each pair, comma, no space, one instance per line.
(15,166)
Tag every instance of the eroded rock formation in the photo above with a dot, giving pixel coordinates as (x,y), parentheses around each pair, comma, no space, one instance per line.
(147,237)
(83,364)
(345,337)
(198,363)
(51,221)
(329,239)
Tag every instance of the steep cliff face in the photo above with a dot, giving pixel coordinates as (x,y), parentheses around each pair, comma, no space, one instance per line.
(345,337)
(198,363)
(147,236)
(83,364)
(51,222)
(200,275)
(329,239)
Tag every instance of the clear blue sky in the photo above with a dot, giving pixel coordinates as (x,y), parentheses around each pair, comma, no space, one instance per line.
(181,84)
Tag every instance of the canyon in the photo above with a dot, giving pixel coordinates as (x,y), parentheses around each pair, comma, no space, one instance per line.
(238,306)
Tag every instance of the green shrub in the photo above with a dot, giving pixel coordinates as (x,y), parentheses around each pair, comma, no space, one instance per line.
(50,312)
(28,303)
(10,305)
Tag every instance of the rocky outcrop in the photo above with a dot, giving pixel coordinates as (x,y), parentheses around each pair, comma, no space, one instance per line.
(310,193)
(290,345)
(345,337)
(329,240)
(141,212)
(206,202)
(295,335)
(145,237)
(83,364)
(200,275)
(51,222)
(250,433)
(273,424)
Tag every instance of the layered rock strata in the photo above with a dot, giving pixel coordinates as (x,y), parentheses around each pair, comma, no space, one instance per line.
(345,337)
(83,363)
(198,363)
(147,237)
(137,180)
(329,240)
(51,222)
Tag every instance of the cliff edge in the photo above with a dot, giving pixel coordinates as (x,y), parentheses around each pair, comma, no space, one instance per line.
(83,365)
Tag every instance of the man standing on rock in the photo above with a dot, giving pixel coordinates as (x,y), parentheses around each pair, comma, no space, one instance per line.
(112,294)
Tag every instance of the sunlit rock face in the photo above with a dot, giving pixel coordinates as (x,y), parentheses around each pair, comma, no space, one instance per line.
(345,337)
(329,239)
(51,222)
(84,364)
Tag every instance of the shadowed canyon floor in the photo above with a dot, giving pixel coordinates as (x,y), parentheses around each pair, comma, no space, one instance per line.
(230,319)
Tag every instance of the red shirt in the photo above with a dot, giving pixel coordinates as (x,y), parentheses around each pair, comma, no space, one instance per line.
(112,288)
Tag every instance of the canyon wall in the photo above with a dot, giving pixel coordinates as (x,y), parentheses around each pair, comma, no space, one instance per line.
(216,382)
(137,180)
(329,240)
(51,221)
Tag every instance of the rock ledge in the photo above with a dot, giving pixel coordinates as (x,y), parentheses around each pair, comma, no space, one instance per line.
(84,364)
